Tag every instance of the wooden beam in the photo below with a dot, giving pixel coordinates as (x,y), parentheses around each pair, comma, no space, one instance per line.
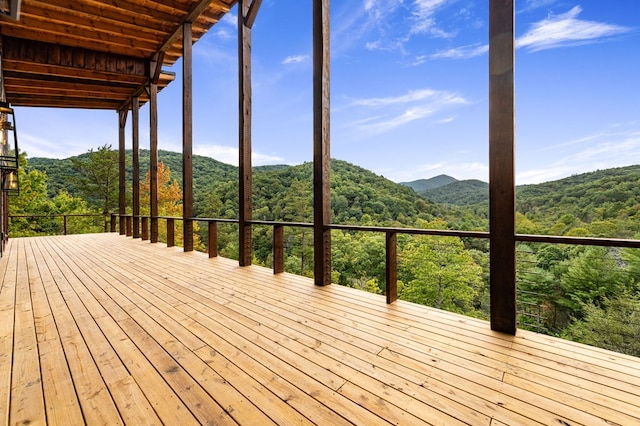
(187,136)
(245,183)
(501,166)
(321,144)
(135,137)
(122,199)
(155,67)
(153,159)
(195,12)
(252,13)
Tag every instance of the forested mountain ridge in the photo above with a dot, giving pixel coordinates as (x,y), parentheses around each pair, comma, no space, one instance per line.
(459,193)
(568,206)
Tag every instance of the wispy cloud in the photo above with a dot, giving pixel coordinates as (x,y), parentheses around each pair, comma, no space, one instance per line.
(566,30)
(295,59)
(535,4)
(384,114)
(462,52)
(553,32)
(424,21)
(593,152)
(226,28)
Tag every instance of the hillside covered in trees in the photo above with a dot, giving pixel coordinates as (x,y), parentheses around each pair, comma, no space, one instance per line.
(589,294)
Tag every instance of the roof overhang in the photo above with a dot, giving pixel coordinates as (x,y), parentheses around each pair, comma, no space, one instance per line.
(96,54)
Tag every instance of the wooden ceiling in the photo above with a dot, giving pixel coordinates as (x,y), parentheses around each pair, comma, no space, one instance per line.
(96,54)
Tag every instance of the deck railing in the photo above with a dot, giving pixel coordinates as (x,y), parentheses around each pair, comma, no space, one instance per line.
(65,219)
(391,234)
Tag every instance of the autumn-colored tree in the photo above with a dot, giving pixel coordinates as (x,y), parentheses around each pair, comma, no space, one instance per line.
(169,204)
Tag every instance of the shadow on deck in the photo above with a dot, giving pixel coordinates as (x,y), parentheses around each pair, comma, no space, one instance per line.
(104,329)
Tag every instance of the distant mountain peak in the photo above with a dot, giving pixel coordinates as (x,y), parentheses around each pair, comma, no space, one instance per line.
(422,185)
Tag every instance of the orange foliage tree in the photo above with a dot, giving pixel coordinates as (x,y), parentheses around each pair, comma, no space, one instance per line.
(169,204)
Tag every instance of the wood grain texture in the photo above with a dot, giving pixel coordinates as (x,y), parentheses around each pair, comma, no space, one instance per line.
(122,331)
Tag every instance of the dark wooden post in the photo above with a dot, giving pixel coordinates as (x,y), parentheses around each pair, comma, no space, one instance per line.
(245,205)
(278,249)
(321,139)
(187,136)
(153,158)
(113,222)
(64,224)
(135,137)
(129,221)
(171,233)
(213,239)
(145,228)
(501,166)
(392,267)
(122,187)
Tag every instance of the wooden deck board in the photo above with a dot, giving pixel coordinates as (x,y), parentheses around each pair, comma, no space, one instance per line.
(104,329)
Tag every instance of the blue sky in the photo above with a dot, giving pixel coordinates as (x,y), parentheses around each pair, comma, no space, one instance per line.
(409,90)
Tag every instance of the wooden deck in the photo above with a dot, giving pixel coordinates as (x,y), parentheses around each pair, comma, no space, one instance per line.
(104,329)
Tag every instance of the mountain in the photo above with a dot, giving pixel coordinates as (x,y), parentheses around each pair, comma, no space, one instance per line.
(422,185)
(459,193)
(281,192)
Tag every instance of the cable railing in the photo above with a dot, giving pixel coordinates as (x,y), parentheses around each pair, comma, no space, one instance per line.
(60,224)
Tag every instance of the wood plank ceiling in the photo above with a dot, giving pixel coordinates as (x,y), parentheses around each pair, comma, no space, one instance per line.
(96,54)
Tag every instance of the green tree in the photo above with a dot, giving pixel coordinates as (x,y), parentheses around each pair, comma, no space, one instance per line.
(439,272)
(614,324)
(591,277)
(33,200)
(98,177)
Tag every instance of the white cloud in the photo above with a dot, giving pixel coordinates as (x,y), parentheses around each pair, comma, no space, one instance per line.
(295,59)
(552,32)
(423,17)
(229,155)
(566,30)
(384,114)
(598,151)
(463,52)
(226,28)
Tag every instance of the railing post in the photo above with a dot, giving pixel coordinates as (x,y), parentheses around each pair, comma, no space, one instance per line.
(213,239)
(392,267)
(113,222)
(278,249)
(171,238)
(64,224)
(129,221)
(145,228)
(502,257)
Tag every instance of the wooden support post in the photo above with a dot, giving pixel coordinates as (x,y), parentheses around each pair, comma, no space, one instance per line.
(129,221)
(321,142)
(392,267)
(187,136)
(153,159)
(171,233)
(135,137)
(244,131)
(501,167)
(122,171)
(64,225)
(145,228)
(213,239)
(113,222)
(278,249)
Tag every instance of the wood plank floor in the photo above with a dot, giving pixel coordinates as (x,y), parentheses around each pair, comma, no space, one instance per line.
(104,329)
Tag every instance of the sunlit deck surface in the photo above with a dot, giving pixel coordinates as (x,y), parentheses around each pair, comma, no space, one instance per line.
(105,329)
